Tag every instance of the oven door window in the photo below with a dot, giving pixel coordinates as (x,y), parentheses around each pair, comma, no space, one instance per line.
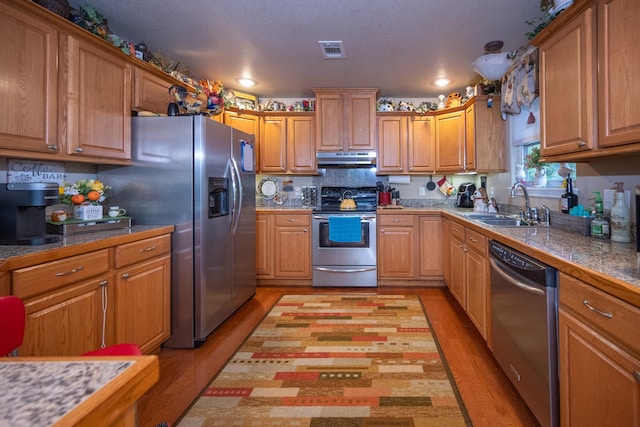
(324,242)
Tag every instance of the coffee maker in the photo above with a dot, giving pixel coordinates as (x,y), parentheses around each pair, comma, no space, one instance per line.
(22,213)
(465,195)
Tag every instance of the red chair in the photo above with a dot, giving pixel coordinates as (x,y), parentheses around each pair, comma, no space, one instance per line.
(12,326)
(12,323)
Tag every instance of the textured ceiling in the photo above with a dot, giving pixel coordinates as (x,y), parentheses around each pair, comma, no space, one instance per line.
(399,46)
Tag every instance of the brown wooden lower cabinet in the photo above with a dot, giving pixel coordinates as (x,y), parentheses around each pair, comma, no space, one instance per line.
(113,295)
(283,247)
(396,247)
(409,249)
(599,357)
(469,273)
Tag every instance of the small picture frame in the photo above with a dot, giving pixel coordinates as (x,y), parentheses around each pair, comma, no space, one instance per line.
(244,101)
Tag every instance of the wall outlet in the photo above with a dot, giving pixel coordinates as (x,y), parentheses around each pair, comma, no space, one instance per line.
(422,192)
(298,191)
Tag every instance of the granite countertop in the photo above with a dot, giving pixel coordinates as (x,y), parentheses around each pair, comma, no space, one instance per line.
(40,393)
(72,240)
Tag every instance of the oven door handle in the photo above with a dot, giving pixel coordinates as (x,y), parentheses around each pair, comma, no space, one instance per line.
(512,280)
(364,218)
(351,270)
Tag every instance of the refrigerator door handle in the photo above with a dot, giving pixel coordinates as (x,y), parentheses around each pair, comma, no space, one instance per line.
(236,187)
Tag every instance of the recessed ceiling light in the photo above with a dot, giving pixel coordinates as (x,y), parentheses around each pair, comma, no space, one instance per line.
(442,82)
(246,82)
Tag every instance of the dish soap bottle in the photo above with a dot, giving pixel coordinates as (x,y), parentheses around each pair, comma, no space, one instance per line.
(620,217)
(599,224)
(569,199)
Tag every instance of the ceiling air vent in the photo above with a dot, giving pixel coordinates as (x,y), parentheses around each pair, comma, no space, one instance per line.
(332,50)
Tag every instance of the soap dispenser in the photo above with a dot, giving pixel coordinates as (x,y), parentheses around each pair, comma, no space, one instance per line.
(620,217)
(599,224)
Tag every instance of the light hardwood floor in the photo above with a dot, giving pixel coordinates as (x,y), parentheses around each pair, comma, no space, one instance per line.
(488,395)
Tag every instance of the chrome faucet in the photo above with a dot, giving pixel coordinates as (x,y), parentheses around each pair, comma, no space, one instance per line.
(526,214)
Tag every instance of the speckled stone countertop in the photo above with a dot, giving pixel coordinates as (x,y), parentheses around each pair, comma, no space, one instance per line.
(39,393)
(8,251)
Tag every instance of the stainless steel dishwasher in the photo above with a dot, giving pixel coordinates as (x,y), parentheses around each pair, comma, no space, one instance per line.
(524,307)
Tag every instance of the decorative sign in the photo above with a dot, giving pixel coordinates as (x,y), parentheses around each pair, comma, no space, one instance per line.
(26,171)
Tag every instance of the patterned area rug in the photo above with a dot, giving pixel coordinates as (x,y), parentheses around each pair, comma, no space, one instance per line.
(341,360)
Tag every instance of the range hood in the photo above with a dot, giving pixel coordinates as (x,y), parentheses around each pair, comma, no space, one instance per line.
(346,159)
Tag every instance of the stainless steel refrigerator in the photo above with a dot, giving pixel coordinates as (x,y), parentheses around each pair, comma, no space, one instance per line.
(198,175)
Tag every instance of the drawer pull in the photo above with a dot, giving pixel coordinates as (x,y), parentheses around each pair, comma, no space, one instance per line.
(64,273)
(636,374)
(471,239)
(125,276)
(595,310)
(149,249)
(292,220)
(581,143)
(52,147)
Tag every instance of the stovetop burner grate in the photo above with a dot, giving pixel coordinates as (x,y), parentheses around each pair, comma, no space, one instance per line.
(365,197)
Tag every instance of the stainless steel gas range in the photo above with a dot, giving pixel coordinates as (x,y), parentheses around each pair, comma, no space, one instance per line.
(344,240)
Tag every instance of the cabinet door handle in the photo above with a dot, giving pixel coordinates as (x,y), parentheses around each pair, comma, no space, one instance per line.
(105,298)
(636,374)
(64,273)
(305,230)
(78,150)
(52,147)
(125,276)
(149,249)
(581,143)
(595,310)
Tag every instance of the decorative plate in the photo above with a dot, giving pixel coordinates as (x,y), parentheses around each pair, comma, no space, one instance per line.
(268,187)
(280,197)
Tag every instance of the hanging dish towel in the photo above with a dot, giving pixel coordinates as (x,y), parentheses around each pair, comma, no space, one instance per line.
(345,229)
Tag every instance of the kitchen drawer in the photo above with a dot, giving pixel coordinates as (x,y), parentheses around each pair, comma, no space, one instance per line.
(135,252)
(476,240)
(395,220)
(624,323)
(290,220)
(46,277)
(457,230)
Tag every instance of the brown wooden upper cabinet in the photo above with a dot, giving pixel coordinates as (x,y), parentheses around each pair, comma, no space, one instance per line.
(450,141)
(406,143)
(346,119)
(29,82)
(95,101)
(589,65)
(485,136)
(287,143)
(151,90)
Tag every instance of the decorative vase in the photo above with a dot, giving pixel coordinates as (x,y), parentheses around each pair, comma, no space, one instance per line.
(521,176)
(540,178)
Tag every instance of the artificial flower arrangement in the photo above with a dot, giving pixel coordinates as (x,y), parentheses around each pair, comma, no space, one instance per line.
(89,191)
(532,160)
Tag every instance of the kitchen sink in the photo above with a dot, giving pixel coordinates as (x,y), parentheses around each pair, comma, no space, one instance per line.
(504,222)
(498,220)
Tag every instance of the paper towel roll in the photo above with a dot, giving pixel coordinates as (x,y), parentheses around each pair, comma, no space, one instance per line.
(399,179)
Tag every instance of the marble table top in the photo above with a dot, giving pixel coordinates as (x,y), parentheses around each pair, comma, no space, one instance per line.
(40,393)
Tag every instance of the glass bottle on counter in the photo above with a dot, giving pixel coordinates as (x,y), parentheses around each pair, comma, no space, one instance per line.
(569,198)
(599,224)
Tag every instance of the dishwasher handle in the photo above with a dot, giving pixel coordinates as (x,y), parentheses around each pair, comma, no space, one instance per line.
(498,268)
